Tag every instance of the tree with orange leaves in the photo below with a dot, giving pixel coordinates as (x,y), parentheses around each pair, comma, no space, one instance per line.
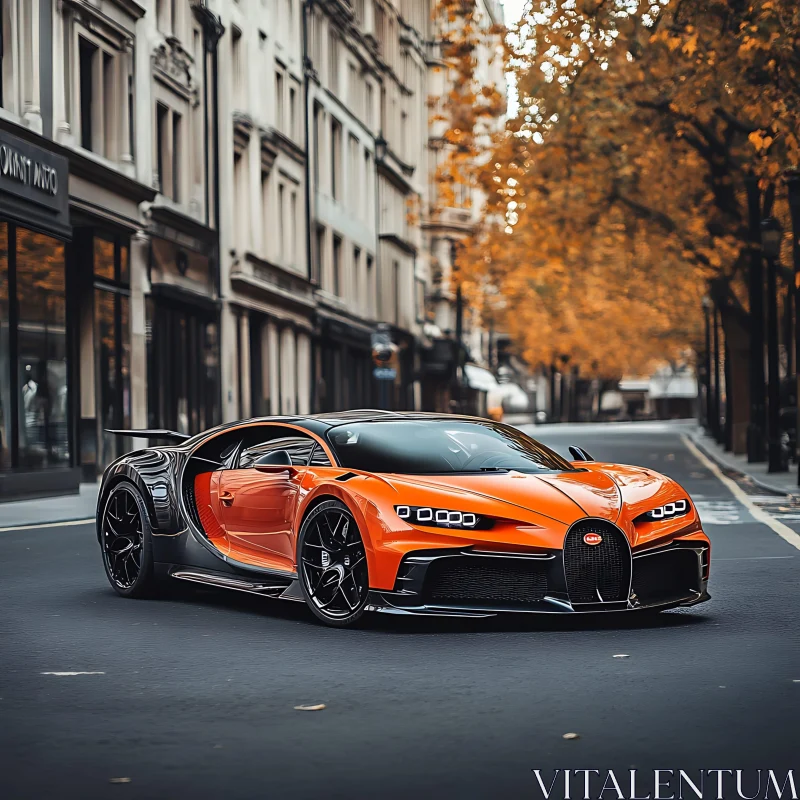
(646,137)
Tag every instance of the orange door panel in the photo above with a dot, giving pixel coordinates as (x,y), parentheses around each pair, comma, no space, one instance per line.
(257,511)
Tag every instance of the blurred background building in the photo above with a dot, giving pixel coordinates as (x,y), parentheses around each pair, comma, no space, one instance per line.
(210,211)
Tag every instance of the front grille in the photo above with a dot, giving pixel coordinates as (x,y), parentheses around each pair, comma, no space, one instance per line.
(493,580)
(597,573)
(666,577)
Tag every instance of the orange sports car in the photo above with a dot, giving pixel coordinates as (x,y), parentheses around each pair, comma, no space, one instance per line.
(402,513)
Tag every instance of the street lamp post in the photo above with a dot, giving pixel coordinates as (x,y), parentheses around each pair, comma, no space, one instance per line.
(793,186)
(771,246)
(707,367)
(717,381)
(755,291)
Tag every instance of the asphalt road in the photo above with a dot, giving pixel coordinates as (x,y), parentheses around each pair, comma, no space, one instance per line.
(195,693)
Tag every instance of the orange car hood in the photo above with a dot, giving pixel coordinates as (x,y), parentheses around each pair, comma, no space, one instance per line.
(564,497)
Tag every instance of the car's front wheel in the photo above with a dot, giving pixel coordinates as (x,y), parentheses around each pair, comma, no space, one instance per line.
(126,542)
(332,565)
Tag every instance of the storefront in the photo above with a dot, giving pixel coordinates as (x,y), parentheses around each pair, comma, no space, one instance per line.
(344,365)
(102,271)
(37,454)
(272,311)
(182,325)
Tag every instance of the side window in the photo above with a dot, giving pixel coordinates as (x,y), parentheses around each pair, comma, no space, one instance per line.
(319,458)
(298,447)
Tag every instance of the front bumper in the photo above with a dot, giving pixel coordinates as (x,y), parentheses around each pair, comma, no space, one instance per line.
(662,578)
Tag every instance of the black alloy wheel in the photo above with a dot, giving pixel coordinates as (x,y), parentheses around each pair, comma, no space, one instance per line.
(332,564)
(126,543)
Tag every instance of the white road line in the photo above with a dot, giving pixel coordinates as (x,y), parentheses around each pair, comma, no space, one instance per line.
(784,531)
(47,525)
(71,674)
(753,558)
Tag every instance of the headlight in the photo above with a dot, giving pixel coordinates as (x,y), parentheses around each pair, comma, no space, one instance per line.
(442,517)
(667,511)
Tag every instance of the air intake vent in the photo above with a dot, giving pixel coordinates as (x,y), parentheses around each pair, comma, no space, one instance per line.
(597,573)
(485,581)
(191,506)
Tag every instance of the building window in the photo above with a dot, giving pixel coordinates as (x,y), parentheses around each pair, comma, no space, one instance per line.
(34,426)
(369,185)
(292,112)
(419,299)
(336,159)
(266,222)
(177,125)
(169,149)
(239,71)
(241,201)
(333,63)
(396,290)
(353,167)
(280,121)
(319,253)
(317,144)
(293,228)
(357,277)
(337,266)
(372,289)
(281,222)
(162,124)
(112,346)
(97,86)
(370,113)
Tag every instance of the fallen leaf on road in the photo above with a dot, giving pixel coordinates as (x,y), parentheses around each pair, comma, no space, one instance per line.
(670,456)
(119,780)
(621,655)
(218,747)
(571,736)
(317,707)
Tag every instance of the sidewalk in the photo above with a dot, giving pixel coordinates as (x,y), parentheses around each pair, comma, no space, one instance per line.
(47,510)
(781,482)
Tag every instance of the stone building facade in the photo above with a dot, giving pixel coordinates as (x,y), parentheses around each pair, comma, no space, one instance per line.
(207,209)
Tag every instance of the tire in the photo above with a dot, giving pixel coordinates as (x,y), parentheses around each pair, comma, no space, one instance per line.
(126,542)
(332,565)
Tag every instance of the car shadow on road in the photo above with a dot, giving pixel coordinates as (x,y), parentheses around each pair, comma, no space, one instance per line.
(248,604)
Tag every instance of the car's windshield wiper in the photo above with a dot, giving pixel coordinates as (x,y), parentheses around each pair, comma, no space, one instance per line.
(494,469)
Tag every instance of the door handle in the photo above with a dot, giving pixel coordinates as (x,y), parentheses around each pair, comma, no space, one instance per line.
(226,498)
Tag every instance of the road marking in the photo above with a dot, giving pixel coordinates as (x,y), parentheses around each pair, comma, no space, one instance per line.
(47,525)
(784,531)
(70,674)
(718,512)
(753,558)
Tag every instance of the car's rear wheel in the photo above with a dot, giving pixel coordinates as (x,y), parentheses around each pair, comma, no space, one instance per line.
(332,565)
(126,542)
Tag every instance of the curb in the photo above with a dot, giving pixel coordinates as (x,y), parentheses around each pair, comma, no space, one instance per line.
(761,484)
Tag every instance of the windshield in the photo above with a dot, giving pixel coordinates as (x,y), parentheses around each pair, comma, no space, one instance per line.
(426,447)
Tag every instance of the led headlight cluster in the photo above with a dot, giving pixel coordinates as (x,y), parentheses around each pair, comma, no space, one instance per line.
(441,517)
(667,511)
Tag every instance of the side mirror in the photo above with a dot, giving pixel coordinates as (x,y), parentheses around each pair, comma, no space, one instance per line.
(276,461)
(579,454)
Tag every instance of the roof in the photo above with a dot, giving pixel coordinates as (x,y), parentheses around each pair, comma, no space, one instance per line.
(319,423)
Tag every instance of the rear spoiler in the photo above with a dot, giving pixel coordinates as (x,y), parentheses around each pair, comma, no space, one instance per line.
(152,433)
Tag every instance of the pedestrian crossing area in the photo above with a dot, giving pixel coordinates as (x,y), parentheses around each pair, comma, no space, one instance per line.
(730,512)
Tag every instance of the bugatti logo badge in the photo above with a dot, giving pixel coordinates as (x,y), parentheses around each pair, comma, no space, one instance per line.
(592,538)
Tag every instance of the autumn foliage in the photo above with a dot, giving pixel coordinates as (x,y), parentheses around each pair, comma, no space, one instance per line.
(618,195)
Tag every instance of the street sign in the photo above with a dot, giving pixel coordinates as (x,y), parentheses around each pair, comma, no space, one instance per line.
(384,373)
